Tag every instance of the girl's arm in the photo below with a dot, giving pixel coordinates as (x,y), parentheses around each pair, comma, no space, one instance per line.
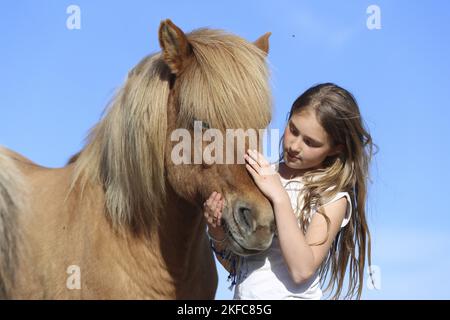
(301,256)
(303,253)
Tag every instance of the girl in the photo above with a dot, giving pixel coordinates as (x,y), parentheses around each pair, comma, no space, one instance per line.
(318,194)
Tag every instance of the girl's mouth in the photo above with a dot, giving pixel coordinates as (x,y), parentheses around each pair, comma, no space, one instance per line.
(292,157)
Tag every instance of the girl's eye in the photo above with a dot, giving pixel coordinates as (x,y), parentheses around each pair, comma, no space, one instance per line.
(309,143)
(293,131)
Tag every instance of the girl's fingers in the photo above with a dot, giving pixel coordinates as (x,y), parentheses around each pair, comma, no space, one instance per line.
(258,157)
(209,200)
(255,156)
(213,208)
(215,202)
(263,162)
(219,215)
(252,171)
(218,198)
(219,209)
(252,164)
(213,197)
(250,155)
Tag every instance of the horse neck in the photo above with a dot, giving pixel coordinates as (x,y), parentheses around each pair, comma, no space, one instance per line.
(177,252)
(179,240)
(182,229)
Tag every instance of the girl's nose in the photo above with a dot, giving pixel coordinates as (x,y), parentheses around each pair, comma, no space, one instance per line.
(295,147)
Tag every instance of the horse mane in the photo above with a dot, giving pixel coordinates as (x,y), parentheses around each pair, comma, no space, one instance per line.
(11,204)
(225,84)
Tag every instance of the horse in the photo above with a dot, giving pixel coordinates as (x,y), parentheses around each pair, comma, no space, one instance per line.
(120,220)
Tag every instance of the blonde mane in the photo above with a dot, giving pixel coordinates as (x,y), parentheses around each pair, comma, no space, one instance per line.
(225,84)
(12,203)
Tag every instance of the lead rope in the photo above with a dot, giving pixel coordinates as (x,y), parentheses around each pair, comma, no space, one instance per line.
(237,272)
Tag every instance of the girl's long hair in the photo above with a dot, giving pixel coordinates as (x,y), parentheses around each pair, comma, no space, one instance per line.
(337,111)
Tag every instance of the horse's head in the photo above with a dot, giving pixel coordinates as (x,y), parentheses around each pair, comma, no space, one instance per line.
(207,75)
(221,81)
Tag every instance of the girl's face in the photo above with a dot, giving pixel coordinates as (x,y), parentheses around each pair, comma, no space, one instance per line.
(306,144)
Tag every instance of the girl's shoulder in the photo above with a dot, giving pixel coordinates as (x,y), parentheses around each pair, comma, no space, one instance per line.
(348,213)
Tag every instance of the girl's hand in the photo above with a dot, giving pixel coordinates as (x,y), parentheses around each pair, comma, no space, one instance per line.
(212,210)
(265,177)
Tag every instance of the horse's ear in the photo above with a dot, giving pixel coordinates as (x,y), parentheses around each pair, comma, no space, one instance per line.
(175,46)
(263,42)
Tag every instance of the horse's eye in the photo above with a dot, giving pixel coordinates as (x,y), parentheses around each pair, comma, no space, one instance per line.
(205,125)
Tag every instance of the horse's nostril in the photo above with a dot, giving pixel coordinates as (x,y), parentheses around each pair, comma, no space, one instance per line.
(246,215)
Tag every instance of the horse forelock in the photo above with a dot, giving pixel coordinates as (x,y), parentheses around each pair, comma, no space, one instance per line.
(226,84)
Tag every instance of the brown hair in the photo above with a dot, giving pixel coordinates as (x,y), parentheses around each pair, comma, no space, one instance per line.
(337,111)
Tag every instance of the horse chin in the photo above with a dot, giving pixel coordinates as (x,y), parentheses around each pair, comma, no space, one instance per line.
(235,246)
(238,249)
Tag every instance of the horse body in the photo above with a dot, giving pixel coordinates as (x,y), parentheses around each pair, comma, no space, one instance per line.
(121,220)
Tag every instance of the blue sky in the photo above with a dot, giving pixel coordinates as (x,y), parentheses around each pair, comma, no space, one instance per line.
(56,82)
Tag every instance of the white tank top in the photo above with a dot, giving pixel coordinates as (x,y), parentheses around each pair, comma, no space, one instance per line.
(266,275)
